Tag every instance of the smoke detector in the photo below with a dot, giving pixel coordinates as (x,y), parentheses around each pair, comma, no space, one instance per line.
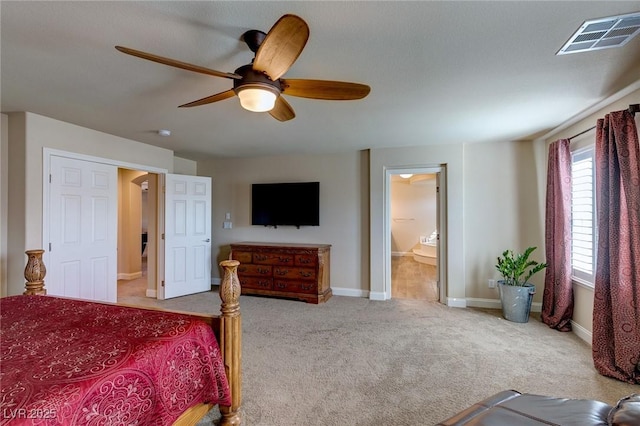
(604,33)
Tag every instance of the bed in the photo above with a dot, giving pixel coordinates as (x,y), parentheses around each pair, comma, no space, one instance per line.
(68,361)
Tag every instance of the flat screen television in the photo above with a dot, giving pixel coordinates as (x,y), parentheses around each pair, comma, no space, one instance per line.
(295,204)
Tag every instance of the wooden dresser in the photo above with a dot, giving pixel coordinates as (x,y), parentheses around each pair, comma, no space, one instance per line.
(297,271)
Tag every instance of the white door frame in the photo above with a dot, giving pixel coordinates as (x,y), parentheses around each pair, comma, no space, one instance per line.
(441,172)
(46,159)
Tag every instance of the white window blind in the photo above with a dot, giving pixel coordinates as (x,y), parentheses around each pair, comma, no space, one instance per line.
(583,217)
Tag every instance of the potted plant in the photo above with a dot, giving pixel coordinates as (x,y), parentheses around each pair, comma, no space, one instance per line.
(516,293)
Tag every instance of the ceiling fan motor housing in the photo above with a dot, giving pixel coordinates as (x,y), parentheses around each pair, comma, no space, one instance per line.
(255,79)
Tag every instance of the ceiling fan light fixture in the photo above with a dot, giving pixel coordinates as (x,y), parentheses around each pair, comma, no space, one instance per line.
(257,98)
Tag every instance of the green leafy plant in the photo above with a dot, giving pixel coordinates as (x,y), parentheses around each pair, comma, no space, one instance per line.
(513,266)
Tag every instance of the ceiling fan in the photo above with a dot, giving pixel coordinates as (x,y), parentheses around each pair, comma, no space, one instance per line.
(259,85)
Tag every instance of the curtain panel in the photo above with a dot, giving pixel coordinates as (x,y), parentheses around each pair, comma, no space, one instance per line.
(557,298)
(616,313)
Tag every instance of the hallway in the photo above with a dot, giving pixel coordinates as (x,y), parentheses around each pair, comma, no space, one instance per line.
(135,287)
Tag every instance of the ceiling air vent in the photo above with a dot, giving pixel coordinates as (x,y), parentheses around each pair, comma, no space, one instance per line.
(603,33)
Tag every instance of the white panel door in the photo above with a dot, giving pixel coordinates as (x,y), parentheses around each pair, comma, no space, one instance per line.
(83,208)
(187,235)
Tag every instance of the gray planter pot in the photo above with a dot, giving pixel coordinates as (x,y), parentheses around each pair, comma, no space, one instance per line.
(516,301)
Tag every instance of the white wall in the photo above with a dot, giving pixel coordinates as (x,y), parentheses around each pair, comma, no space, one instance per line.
(352,204)
(491,197)
(16,217)
(343,210)
(4,200)
(501,212)
(182,166)
(495,200)
(28,134)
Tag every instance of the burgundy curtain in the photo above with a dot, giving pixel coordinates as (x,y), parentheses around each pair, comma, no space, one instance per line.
(557,298)
(616,312)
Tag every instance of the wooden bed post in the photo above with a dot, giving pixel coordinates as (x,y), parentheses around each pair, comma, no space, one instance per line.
(34,273)
(231,340)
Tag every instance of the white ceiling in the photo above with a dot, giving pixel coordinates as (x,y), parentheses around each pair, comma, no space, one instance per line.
(440,72)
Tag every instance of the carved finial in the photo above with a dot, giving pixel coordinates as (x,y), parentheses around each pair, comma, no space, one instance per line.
(230,287)
(34,273)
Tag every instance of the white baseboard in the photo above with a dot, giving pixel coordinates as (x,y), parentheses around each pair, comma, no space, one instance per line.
(377,295)
(582,332)
(131,276)
(455,302)
(350,292)
(474,302)
(154,294)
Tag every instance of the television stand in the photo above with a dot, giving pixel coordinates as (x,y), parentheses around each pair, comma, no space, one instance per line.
(293,271)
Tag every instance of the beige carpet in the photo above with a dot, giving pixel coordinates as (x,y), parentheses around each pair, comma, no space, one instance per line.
(353,361)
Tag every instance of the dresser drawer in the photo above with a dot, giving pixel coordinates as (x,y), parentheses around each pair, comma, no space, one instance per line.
(309,260)
(294,273)
(254,270)
(273,258)
(294,286)
(262,283)
(242,256)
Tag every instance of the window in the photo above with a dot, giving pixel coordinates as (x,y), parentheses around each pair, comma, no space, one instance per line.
(583,216)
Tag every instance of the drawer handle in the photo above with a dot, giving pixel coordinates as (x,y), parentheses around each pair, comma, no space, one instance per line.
(305,260)
(263,271)
(307,286)
(305,274)
(283,259)
(281,286)
(242,269)
(282,272)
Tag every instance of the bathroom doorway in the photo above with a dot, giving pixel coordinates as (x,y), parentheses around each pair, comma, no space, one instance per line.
(416,228)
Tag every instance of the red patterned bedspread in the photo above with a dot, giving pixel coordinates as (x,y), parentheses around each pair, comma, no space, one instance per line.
(81,363)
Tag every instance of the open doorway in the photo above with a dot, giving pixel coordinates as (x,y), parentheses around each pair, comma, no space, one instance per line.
(414,236)
(415,219)
(137,211)
(178,236)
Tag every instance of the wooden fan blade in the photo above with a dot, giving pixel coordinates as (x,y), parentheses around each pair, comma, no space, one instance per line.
(324,89)
(282,46)
(210,99)
(177,64)
(282,111)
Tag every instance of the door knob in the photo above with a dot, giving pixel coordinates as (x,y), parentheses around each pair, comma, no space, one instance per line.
(207,240)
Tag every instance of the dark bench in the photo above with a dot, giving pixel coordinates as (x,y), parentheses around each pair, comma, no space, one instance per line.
(510,408)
